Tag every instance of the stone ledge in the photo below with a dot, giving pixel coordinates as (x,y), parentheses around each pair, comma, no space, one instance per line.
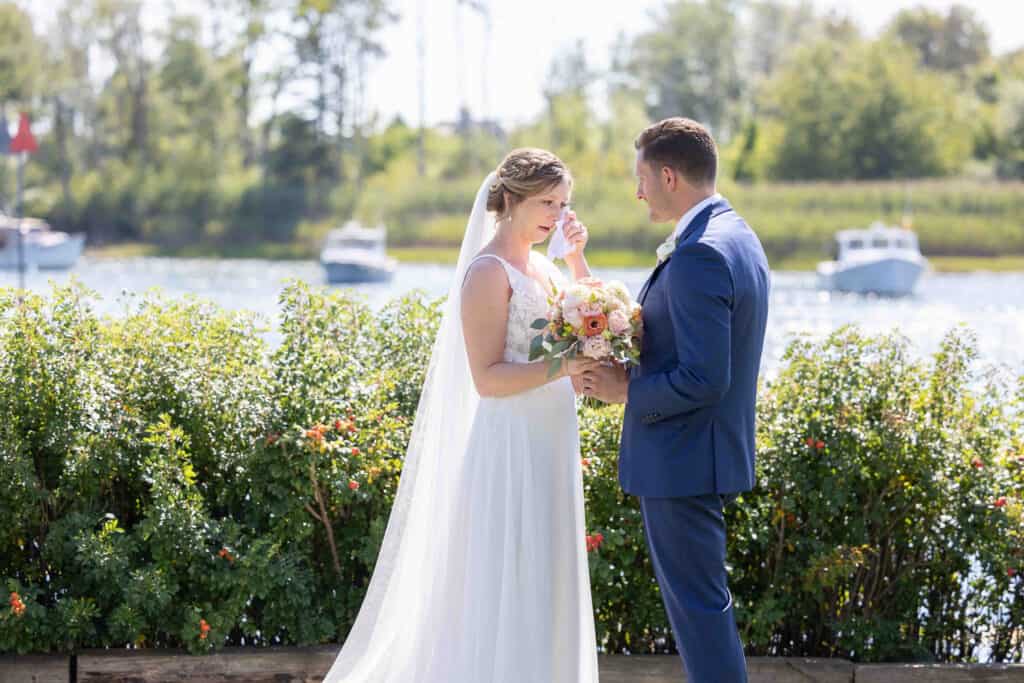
(309,664)
(34,669)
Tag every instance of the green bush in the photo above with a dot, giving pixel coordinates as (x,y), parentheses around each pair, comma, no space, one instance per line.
(173,481)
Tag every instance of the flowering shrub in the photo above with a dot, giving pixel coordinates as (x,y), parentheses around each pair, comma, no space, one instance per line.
(171,481)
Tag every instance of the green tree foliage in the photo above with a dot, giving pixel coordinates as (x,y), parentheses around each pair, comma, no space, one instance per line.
(689,65)
(863,112)
(951,42)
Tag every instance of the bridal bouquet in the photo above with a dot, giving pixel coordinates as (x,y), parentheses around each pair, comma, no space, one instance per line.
(596,319)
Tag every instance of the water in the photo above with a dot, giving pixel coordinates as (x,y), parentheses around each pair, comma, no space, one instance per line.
(991,304)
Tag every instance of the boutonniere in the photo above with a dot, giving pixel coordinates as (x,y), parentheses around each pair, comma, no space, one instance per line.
(666,248)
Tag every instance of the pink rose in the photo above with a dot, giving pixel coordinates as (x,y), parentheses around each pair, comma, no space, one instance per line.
(619,323)
(597,348)
(573,317)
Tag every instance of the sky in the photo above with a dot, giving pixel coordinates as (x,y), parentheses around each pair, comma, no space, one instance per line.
(526,35)
(529,33)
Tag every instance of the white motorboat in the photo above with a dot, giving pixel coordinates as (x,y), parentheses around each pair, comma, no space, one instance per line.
(354,254)
(42,247)
(880,260)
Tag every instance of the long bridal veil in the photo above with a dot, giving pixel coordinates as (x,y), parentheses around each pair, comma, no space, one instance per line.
(402,618)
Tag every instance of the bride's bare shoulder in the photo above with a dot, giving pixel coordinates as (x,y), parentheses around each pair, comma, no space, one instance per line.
(485,276)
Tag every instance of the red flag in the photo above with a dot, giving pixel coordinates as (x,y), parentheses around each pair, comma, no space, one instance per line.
(24,140)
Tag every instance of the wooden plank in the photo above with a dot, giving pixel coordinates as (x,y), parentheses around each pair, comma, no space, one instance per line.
(231,664)
(939,673)
(669,669)
(35,669)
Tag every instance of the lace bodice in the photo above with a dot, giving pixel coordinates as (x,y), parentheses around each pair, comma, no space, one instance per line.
(528,302)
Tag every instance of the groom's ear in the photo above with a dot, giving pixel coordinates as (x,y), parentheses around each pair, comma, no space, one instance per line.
(670,177)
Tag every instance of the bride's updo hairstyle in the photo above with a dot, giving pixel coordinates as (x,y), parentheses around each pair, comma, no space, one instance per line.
(524,173)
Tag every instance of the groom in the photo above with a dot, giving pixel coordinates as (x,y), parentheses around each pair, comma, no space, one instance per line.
(688,433)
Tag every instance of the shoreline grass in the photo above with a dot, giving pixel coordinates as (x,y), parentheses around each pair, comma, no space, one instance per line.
(598,258)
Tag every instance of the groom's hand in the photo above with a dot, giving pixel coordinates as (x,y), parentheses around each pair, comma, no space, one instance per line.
(609,384)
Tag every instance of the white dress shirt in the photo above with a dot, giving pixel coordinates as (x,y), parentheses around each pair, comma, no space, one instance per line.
(684,222)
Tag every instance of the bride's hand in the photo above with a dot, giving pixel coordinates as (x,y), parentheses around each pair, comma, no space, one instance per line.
(576,233)
(577,366)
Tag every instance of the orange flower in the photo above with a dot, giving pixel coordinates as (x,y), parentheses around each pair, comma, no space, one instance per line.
(17,606)
(594,325)
(585,462)
(355,451)
(204,628)
(316,432)
(354,485)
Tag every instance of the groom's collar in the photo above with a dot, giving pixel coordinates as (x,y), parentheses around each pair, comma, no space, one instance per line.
(690,215)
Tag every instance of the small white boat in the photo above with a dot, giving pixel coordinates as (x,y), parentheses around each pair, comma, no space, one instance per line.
(880,260)
(43,248)
(353,254)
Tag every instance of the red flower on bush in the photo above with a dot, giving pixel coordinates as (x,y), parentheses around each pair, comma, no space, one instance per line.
(585,462)
(594,542)
(17,606)
(819,445)
(1000,501)
(204,628)
(977,463)
(226,555)
(1011,572)
(810,442)
(272,438)
(339,425)
(354,485)
(355,451)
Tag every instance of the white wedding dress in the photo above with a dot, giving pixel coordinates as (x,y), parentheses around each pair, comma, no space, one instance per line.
(483,574)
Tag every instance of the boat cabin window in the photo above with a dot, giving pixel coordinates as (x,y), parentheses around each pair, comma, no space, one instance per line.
(353,243)
(879,242)
(855,244)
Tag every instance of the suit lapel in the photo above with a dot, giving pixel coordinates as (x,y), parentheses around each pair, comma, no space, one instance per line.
(650,280)
(699,221)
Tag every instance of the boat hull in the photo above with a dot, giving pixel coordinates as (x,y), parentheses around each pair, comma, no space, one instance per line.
(354,273)
(887,276)
(59,256)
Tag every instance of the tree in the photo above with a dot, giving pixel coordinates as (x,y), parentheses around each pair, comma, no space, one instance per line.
(864,112)
(1010,133)
(570,120)
(19,56)
(689,65)
(773,30)
(952,42)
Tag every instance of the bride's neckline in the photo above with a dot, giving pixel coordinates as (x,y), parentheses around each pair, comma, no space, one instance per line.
(509,264)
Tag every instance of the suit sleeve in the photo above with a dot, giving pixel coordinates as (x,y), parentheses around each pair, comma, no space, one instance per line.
(700,295)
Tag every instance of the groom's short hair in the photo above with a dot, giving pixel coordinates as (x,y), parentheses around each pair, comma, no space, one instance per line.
(682,144)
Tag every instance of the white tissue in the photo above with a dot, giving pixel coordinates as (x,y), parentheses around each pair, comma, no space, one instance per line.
(558,245)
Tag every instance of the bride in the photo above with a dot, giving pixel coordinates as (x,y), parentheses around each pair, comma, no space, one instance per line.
(482,576)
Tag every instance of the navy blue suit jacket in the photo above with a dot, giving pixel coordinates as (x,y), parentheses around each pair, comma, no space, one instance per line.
(689,419)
